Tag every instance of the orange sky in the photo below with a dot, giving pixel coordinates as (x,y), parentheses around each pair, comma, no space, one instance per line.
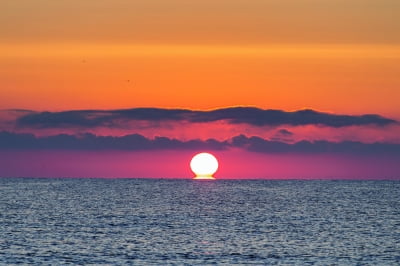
(341,56)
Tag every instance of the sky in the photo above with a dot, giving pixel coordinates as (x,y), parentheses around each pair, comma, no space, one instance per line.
(276,89)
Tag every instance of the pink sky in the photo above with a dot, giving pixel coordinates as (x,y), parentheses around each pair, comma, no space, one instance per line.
(159,143)
(175,164)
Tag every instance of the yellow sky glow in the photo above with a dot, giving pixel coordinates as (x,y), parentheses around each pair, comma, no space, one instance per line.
(109,50)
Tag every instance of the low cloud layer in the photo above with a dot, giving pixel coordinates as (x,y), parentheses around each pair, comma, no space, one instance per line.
(15,141)
(257,144)
(235,115)
(92,142)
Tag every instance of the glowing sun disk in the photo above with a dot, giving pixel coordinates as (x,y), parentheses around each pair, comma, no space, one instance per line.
(204,165)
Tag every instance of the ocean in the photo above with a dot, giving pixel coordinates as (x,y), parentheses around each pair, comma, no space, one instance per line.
(187,222)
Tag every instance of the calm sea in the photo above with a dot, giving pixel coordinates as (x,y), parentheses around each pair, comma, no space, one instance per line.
(162,222)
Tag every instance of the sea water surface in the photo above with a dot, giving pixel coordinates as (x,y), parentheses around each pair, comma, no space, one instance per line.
(163,222)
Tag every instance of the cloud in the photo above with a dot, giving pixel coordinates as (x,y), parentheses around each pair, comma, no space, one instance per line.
(257,144)
(92,142)
(284,132)
(15,141)
(283,135)
(234,115)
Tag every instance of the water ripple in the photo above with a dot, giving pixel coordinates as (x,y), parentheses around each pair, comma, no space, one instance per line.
(169,222)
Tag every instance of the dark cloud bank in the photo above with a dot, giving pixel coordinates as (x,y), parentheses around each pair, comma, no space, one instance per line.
(135,142)
(234,115)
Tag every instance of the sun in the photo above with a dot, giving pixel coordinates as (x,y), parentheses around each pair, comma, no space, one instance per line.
(204,165)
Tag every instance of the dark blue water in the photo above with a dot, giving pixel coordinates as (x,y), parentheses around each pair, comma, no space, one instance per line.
(139,221)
